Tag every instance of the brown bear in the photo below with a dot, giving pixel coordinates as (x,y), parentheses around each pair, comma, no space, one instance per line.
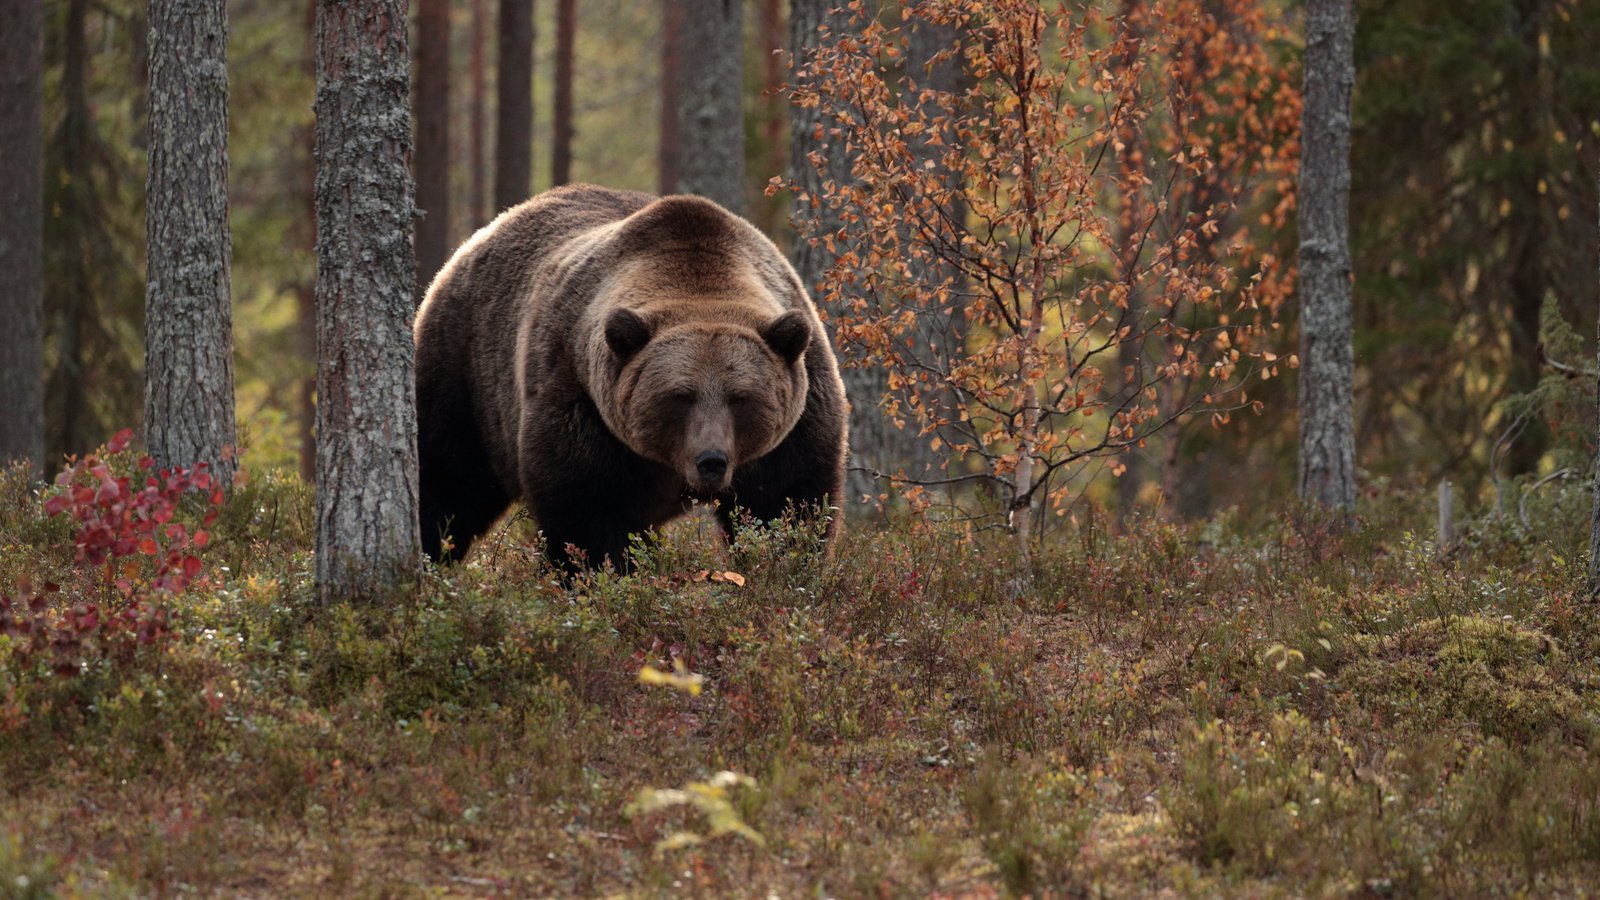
(609,358)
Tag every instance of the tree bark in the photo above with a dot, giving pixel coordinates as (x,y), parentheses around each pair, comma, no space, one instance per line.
(774,150)
(513,137)
(669,149)
(306,290)
(561,140)
(815,219)
(22,233)
(188,316)
(1525,225)
(432,105)
(368,538)
(939,333)
(1327,438)
(711,102)
(476,120)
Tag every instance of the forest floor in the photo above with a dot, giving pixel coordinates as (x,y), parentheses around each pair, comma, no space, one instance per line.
(1262,707)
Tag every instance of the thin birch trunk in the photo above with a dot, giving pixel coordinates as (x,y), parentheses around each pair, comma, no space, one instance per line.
(1021,516)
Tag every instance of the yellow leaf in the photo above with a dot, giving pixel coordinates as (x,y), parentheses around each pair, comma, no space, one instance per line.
(680,679)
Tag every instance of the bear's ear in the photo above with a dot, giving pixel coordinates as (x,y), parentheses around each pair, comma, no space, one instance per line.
(626,333)
(788,335)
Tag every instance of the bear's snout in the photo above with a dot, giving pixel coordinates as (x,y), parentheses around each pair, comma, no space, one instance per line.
(712,465)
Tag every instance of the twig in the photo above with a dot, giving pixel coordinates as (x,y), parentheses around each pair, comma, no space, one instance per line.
(1566,369)
(926,482)
(1522,504)
(1512,432)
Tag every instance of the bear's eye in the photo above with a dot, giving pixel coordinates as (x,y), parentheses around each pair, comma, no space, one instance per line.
(740,400)
(681,398)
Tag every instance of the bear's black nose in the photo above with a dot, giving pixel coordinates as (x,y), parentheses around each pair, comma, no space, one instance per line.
(713,464)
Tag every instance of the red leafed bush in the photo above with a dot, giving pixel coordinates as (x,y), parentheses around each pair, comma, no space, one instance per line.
(134,538)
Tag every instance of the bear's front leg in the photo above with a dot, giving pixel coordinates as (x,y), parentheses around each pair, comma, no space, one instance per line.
(460,497)
(586,489)
(804,474)
(578,538)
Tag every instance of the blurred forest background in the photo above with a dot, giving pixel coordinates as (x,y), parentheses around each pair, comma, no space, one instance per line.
(1476,125)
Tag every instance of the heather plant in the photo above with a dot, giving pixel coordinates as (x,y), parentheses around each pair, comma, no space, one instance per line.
(135,547)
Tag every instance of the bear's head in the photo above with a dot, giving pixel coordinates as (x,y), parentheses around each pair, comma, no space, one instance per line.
(703,397)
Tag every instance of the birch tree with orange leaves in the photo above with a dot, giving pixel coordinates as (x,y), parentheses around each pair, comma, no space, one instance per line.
(1051,370)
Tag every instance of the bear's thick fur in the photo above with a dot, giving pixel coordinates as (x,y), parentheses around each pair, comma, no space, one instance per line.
(608,357)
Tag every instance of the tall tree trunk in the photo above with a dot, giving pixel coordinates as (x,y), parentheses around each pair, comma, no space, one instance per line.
(188,313)
(75,297)
(22,233)
(92,288)
(809,144)
(561,140)
(513,136)
(306,291)
(476,120)
(711,102)
(367,532)
(1526,227)
(1327,438)
(432,104)
(933,63)
(668,150)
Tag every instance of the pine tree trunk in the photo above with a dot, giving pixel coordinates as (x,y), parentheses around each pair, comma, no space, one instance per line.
(188,316)
(668,150)
(513,136)
(1526,229)
(939,333)
(808,134)
(561,139)
(775,117)
(476,123)
(22,233)
(64,390)
(711,102)
(367,532)
(306,290)
(1327,439)
(432,104)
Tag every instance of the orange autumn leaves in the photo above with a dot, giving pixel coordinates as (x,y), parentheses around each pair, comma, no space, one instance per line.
(1071,249)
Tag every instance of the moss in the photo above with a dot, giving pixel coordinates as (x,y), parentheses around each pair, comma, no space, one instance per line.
(1509,681)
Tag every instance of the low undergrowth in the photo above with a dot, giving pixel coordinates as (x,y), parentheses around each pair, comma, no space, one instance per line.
(1279,708)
